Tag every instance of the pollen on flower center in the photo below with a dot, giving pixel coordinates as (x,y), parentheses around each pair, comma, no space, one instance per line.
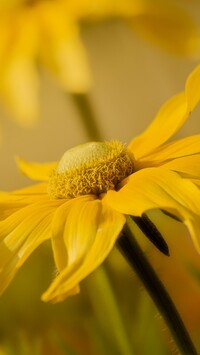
(91,168)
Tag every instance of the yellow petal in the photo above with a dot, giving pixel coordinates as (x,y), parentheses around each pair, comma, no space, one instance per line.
(155,188)
(11,202)
(169,119)
(183,147)
(26,195)
(62,50)
(41,231)
(36,171)
(20,234)
(193,225)
(72,68)
(19,77)
(159,188)
(30,191)
(195,181)
(189,165)
(167,25)
(58,242)
(8,208)
(60,231)
(192,89)
(19,88)
(90,235)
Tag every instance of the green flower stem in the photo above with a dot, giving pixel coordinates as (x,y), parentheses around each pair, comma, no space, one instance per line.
(107,310)
(87,114)
(136,258)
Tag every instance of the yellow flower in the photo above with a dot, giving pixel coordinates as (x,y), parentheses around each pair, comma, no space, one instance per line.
(83,201)
(47,32)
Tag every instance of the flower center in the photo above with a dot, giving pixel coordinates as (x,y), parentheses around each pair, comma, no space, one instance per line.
(91,168)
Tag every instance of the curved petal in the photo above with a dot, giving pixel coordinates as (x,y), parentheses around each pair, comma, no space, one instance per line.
(183,147)
(89,235)
(189,165)
(36,171)
(154,188)
(193,225)
(28,194)
(20,235)
(11,202)
(58,242)
(8,208)
(59,227)
(159,188)
(169,119)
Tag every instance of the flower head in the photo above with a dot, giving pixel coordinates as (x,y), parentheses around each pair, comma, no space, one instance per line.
(82,203)
(47,32)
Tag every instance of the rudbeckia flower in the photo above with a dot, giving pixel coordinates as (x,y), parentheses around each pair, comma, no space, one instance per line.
(82,202)
(47,33)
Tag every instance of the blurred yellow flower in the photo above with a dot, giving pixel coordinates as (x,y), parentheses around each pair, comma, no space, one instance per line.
(47,32)
(82,203)
(33,31)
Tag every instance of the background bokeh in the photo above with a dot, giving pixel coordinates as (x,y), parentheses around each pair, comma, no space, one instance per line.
(131,80)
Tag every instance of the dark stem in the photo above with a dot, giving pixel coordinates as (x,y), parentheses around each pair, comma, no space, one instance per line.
(87,114)
(131,250)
